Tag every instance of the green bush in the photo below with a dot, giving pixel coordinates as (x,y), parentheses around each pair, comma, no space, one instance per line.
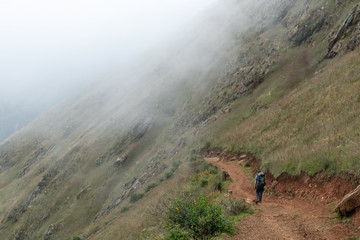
(125,209)
(177,234)
(207,145)
(199,215)
(136,197)
(204,182)
(176,164)
(150,186)
(168,174)
(73,238)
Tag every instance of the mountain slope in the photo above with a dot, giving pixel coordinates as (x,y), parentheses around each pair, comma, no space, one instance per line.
(259,82)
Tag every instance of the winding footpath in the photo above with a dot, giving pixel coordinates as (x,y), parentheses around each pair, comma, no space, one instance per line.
(281,217)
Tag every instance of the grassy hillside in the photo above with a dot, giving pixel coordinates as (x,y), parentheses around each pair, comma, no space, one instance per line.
(313,127)
(257,82)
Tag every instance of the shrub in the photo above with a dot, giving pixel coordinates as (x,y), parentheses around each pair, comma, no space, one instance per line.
(124,209)
(150,186)
(176,164)
(218,186)
(204,182)
(233,207)
(168,174)
(207,145)
(73,238)
(193,157)
(198,215)
(136,197)
(177,234)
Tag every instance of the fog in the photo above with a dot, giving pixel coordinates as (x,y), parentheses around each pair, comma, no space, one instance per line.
(51,49)
(51,45)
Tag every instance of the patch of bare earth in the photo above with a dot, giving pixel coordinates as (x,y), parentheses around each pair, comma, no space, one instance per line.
(290,213)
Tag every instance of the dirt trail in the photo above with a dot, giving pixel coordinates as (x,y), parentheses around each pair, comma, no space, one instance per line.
(281,217)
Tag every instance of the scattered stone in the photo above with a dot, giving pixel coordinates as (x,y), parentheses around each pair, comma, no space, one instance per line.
(99,160)
(243,156)
(49,232)
(84,190)
(227,110)
(119,161)
(53,228)
(274,184)
(241,162)
(349,202)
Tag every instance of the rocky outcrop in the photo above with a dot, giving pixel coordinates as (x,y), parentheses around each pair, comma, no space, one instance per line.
(301,27)
(83,191)
(52,229)
(150,171)
(269,13)
(349,202)
(36,155)
(16,213)
(350,27)
(140,129)
(132,136)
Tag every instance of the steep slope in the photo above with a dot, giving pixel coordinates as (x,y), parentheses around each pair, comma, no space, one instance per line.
(257,82)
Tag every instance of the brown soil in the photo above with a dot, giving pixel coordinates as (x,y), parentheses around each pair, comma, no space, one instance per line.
(302,211)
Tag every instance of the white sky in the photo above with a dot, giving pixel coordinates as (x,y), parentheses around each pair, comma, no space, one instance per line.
(48,46)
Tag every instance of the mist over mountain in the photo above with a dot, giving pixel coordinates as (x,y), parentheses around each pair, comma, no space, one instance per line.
(53,50)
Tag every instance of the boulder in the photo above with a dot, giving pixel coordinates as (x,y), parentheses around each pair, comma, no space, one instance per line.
(84,190)
(303,26)
(241,162)
(349,202)
(225,175)
(119,161)
(227,110)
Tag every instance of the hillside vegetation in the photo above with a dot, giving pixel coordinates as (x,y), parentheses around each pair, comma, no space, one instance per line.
(281,81)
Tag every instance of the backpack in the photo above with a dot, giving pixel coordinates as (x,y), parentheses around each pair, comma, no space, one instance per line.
(261,180)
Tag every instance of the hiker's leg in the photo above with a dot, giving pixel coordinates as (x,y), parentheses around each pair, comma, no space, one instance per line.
(260,195)
(257,194)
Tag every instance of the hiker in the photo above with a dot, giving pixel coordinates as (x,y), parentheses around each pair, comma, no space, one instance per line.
(259,186)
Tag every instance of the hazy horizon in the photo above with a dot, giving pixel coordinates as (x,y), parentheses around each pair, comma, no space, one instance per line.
(50,50)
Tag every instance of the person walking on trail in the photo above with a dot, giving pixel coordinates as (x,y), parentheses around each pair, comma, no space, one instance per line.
(259,186)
